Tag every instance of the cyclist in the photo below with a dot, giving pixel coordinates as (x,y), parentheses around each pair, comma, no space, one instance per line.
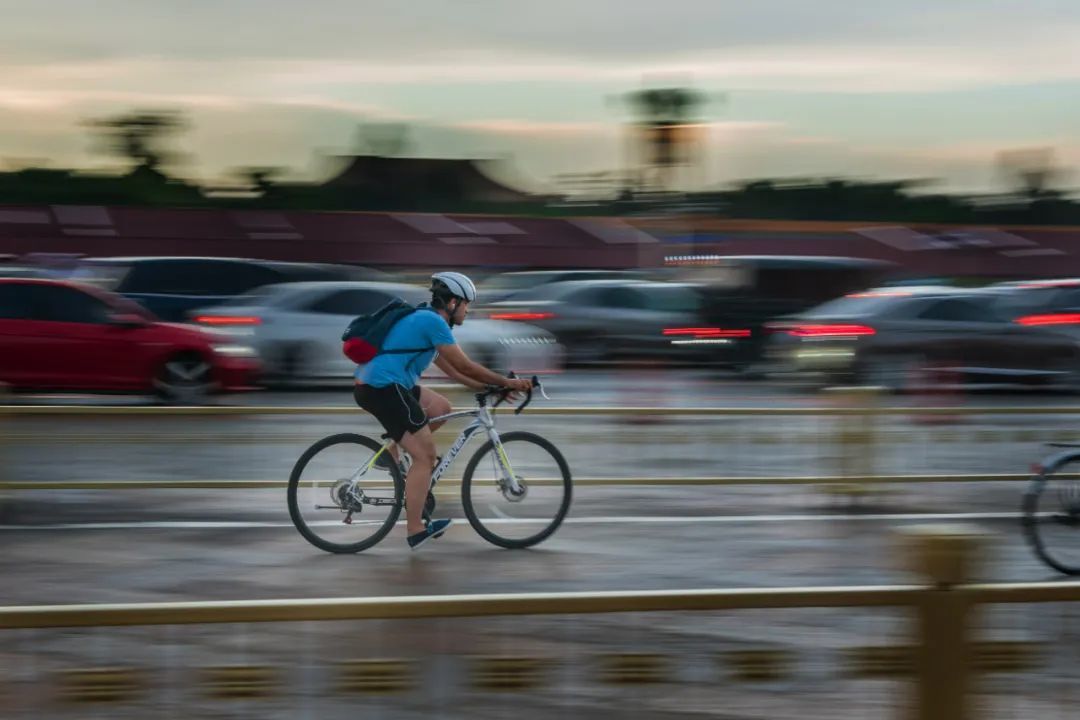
(387,387)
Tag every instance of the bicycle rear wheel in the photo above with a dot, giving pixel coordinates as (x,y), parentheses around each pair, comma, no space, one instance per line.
(1051,520)
(520,520)
(331,511)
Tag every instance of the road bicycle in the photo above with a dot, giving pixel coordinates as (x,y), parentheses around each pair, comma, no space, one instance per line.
(345,492)
(1051,510)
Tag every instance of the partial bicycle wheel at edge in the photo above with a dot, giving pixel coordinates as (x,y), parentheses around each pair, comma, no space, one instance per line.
(523,520)
(1052,517)
(319,494)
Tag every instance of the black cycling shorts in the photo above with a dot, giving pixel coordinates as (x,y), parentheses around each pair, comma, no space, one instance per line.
(395,407)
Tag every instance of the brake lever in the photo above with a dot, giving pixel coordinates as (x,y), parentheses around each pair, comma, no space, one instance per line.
(522,406)
(528,397)
(538,386)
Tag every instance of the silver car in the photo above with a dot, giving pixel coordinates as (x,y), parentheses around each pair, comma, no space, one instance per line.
(296,329)
(603,320)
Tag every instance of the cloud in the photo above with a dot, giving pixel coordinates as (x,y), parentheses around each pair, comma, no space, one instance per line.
(264,81)
(429,30)
(518,127)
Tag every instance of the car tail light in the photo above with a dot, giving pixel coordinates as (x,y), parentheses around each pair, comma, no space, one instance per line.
(1050,319)
(228,320)
(707,332)
(836,330)
(522,316)
(1048,284)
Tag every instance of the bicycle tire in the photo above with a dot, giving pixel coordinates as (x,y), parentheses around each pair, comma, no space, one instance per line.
(1036,503)
(467,485)
(294,510)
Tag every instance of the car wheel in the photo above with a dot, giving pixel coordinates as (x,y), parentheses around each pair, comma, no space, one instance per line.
(290,364)
(891,373)
(1068,376)
(184,379)
(587,351)
(490,359)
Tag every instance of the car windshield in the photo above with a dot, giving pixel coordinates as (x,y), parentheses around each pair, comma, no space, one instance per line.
(512,283)
(103,275)
(674,299)
(411,295)
(857,305)
(259,296)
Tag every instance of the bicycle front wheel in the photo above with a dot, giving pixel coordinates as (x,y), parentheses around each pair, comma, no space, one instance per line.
(1052,517)
(529,516)
(338,500)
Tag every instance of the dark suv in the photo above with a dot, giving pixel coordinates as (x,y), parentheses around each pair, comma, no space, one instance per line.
(1052,305)
(171,286)
(749,291)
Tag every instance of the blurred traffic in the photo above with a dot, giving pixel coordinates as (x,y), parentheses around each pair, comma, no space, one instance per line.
(296,329)
(240,323)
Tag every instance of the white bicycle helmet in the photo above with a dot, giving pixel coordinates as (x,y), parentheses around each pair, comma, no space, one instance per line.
(453,284)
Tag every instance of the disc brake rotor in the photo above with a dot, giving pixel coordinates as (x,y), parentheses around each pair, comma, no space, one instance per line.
(508,492)
(342,496)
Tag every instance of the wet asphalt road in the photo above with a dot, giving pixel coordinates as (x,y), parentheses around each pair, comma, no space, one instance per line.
(94,546)
(99,546)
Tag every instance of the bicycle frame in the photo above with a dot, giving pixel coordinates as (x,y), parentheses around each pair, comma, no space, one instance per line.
(483,420)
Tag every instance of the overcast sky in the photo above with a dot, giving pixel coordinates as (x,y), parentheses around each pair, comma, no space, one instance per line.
(915,88)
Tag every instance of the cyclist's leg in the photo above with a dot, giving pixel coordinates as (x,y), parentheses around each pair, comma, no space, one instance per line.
(434,405)
(387,406)
(421,446)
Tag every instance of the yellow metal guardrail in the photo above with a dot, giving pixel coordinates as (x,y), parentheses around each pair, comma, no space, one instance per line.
(943,655)
(452,606)
(413,607)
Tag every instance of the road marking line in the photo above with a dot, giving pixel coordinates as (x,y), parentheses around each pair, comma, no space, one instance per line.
(594,520)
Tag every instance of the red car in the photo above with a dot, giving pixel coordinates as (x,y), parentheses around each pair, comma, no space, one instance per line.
(65,336)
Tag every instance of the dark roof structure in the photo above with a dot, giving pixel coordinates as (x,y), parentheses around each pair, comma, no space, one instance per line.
(418,179)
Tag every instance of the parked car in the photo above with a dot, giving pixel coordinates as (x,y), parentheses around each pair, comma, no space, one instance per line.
(505,286)
(1053,305)
(297,327)
(893,337)
(749,291)
(59,335)
(170,287)
(604,320)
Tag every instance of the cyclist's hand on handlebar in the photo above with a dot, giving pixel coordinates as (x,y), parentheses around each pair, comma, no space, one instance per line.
(517,385)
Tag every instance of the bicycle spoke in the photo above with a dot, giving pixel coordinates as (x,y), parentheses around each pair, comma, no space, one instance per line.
(338,500)
(523,511)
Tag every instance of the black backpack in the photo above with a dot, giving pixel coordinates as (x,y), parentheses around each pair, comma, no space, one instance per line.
(364,337)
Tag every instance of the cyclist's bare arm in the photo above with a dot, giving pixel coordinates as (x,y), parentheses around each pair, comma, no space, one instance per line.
(456,359)
(456,376)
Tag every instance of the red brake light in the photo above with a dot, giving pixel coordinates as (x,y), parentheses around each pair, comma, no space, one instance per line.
(831,330)
(522,316)
(1051,319)
(1048,284)
(706,332)
(228,320)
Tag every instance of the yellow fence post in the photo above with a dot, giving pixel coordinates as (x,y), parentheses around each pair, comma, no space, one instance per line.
(945,557)
(5,460)
(856,438)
